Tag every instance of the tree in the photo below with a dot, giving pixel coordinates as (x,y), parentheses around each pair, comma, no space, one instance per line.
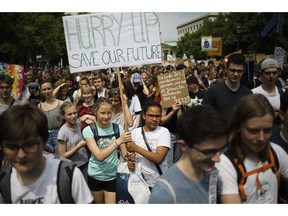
(25,35)
(225,26)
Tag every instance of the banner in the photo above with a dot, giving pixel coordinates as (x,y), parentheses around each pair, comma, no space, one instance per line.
(206,43)
(107,40)
(15,71)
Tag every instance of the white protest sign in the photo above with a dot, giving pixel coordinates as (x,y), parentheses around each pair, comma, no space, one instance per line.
(106,40)
(279,55)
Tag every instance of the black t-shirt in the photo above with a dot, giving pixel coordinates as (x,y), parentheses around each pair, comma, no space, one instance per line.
(35,99)
(223,99)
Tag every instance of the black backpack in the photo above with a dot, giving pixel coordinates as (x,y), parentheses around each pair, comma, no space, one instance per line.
(96,134)
(97,137)
(64,182)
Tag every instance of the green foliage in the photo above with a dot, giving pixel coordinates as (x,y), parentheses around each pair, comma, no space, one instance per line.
(26,35)
(225,26)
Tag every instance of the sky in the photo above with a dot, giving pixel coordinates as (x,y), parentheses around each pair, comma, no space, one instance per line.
(171,13)
(170,20)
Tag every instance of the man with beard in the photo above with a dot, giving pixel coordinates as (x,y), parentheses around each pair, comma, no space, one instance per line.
(193,179)
(252,168)
(224,95)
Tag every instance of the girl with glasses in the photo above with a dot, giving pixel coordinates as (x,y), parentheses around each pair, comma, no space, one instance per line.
(154,137)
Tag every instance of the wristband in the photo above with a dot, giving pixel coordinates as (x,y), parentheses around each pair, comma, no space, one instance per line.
(115,144)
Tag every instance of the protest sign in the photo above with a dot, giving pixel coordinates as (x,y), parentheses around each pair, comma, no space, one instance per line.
(15,71)
(107,40)
(279,56)
(173,88)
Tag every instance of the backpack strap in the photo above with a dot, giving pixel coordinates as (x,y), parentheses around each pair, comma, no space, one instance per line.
(12,102)
(242,175)
(170,188)
(280,90)
(5,184)
(64,181)
(274,159)
(254,83)
(230,155)
(95,131)
(116,130)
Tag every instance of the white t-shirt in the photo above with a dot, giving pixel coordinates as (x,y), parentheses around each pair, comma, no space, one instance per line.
(44,189)
(159,137)
(134,106)
(228,177)
(273,98)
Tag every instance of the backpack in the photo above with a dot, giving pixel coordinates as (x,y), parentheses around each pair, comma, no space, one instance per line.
(64,182)
(242,175)
(96,134)
(97,137)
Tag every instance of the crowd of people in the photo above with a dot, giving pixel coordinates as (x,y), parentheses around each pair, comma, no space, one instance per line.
(228,145)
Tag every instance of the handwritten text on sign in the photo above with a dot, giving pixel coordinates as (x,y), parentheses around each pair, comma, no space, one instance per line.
(173,88)
(103,40)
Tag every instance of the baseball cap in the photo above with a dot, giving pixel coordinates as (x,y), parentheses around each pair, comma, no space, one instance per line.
(33,85)
(136,78)
(192,79)
(269,63)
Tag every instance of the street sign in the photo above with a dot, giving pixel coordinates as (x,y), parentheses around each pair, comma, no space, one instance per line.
(206,43)
(216,47)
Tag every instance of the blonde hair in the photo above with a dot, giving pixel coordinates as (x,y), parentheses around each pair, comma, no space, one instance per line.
(86,89)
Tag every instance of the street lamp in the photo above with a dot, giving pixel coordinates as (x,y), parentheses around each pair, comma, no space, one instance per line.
(238,31)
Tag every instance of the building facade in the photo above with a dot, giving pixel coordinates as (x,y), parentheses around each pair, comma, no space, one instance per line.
(194,24)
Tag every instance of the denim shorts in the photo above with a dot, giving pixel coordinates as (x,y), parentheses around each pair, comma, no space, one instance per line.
(53,141)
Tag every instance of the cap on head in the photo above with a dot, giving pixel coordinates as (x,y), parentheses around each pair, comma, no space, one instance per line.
(136,78)
(269,63)
(192,79)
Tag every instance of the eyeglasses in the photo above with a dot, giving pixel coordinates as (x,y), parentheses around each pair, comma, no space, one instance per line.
(209,153)
(150,116)
(27,148)
(235,70)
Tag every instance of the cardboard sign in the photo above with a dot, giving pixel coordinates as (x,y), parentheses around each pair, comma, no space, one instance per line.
(15,71)
(173,88)
(107,40)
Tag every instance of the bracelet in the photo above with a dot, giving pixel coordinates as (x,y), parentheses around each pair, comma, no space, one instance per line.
(115,144)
